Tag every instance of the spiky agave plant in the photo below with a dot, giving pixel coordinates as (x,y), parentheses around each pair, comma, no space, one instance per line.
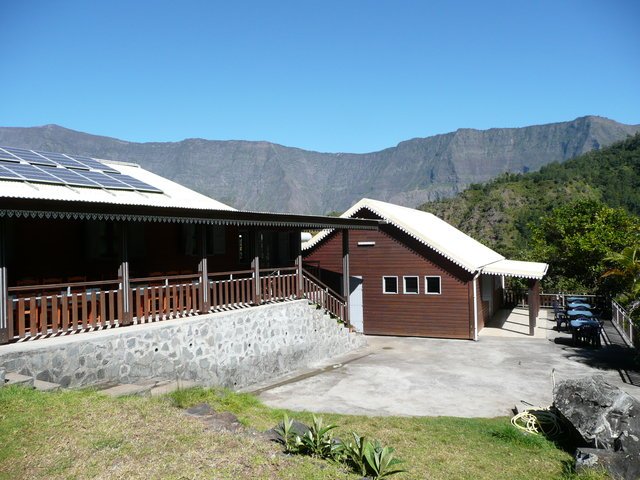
(318,440)
(380,460)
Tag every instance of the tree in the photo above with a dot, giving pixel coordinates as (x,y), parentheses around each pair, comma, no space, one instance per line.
(627,270)
(577,238)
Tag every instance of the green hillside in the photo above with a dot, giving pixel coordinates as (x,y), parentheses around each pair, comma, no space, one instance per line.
(502,212)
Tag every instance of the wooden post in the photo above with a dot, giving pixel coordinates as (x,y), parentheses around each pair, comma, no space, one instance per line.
(123,277)
(533,300)
(299,284)
(4,293)
(345,274)
(205,305)
(255,265)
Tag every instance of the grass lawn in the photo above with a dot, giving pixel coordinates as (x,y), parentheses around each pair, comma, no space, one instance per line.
(84,434)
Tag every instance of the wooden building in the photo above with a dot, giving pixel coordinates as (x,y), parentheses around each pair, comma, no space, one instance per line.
(417,275)
(88,244)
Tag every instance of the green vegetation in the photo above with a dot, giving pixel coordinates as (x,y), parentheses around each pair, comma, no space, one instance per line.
(626,271)
(366,457)
(84,434)
(577,239)
(572,215)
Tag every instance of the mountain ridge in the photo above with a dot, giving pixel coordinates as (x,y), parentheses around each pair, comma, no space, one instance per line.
(502,212)
(260,175)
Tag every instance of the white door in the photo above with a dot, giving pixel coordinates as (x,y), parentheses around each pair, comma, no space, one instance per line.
(355,303)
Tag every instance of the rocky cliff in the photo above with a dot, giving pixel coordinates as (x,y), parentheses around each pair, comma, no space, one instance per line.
(268,177)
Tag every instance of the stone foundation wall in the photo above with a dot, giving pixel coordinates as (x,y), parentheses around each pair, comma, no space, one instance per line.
(232,349)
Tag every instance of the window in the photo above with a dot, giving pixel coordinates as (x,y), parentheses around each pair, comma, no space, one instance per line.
(217,240)
(192,239)
(389,284)
(411,285)
(432,285)
(245,253)
(189,239)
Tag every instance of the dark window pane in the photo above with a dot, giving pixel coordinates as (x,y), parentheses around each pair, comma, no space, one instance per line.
(433,284)
(390,285)
(410,284)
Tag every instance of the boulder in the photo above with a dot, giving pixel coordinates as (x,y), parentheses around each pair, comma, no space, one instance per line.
(619,465)
(605,416)
(217,421)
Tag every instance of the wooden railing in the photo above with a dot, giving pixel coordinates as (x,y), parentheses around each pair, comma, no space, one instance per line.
(231,290)
(625,325)
(278,285)
(63,308)
(520,298)
(40,310)
(161,298)
(317,292)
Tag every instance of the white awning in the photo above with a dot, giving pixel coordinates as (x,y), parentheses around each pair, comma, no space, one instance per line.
(516,268)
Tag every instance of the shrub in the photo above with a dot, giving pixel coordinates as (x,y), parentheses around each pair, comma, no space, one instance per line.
(363,456)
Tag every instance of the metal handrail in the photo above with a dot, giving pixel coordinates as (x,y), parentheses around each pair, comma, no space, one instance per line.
(616,312)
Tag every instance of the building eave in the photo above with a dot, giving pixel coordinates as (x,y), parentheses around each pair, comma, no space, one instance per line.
(34,208)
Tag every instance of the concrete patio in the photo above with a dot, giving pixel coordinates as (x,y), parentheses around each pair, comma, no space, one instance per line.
(434,377)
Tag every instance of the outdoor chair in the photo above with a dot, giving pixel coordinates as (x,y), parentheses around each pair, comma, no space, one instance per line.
(557,307)
(587,335)
(561,318)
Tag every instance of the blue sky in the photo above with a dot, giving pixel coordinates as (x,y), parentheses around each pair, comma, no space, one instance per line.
(337,76)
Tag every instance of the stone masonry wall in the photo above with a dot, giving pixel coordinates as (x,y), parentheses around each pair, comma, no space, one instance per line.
(232,349)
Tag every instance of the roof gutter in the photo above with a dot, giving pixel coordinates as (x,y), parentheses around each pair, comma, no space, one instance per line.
(67,209)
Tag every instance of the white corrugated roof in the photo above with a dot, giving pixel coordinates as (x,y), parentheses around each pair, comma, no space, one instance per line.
(437,234)
(516,268)
(174,194)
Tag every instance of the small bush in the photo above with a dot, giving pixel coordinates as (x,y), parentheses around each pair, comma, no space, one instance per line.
(363,456)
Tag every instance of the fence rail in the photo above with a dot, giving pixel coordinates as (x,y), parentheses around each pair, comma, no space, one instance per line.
(624,324)
(172,299)
(62,308)
(521,298)
(40,310)
(318,293)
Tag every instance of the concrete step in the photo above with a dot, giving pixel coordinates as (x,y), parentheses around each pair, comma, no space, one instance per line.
(124,389)
(171,386)
(43,386)
(13,378)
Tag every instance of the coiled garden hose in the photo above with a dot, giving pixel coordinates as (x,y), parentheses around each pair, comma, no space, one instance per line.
(538,421)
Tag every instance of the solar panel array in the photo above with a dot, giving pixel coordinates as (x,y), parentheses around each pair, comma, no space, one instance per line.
(20,164)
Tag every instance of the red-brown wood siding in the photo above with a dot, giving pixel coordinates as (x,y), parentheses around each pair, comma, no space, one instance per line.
(396,254)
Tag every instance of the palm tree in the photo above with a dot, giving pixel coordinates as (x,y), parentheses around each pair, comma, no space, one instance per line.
(627,269)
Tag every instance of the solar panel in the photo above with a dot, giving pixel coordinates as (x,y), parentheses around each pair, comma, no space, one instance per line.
(31,172)
(106,181)
(28,165)
(4,155)
(93,164)
(136,184)
(7,174)
(70,177)
(63,160)
(29,156)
